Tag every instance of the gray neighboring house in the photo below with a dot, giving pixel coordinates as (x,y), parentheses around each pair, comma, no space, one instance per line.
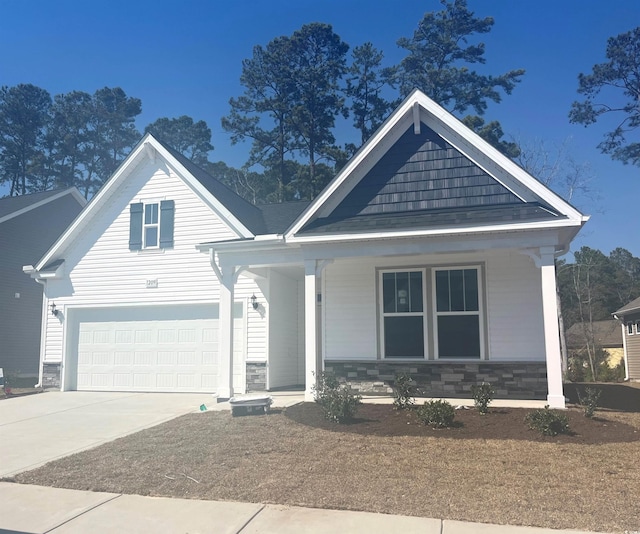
(629,316)
(29,226)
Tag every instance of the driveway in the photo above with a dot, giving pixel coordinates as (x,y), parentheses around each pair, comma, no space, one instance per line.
(39,428)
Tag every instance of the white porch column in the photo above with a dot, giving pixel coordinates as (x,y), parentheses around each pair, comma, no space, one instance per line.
(311,363)
(225,337)
(555,396)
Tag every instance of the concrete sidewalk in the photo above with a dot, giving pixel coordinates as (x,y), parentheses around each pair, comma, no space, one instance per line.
(39,510)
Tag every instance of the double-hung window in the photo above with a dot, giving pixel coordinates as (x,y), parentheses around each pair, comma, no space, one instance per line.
(403,314)
(457,313)
(451,327)
(151,225)
(150,228)
(630,328)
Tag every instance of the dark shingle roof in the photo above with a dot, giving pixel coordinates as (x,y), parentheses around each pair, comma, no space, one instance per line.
(607,334)
(278,217)
(430,219)
(633,306)
(259,219)
(244,211)
(10,205)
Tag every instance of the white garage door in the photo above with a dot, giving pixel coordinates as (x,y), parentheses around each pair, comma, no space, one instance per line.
(172,349)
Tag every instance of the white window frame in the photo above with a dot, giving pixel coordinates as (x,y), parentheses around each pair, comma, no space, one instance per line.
(480,312)
(146,225)
(423,313)
(630,328)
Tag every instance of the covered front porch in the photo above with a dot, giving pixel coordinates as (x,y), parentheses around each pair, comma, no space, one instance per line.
(323,308)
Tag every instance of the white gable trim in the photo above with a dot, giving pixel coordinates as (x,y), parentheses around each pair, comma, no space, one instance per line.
(147,148)
(497,165)
(71,191)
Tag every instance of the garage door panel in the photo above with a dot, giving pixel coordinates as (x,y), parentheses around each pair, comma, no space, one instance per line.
(157,353)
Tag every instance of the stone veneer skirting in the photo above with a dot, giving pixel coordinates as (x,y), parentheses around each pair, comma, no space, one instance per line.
(521,380)
(256,376)
(51,375)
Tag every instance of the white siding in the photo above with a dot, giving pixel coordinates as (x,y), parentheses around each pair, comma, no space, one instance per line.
(513,319)
(349,310)
(515,308)
(103,272)
(286,362)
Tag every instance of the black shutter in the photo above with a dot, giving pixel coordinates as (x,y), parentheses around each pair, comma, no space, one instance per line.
(166,223)
(135,226)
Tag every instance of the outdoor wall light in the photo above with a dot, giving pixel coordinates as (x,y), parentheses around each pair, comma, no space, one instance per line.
(254,302)
(54,311)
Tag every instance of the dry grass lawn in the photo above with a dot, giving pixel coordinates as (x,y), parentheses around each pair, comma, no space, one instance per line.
(487,469)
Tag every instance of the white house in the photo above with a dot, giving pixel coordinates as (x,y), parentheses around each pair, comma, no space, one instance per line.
(429,253)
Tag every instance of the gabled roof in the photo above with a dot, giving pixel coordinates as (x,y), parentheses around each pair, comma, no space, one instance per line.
(259,218)
(633,306)
(424,169)
(607,334)
(209,189)
(11,207)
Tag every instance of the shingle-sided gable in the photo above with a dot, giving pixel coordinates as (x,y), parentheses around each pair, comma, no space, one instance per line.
(424,181)
(423,172)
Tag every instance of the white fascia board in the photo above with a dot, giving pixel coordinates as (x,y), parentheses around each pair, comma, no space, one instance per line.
(95,203)
(491,228)
(71,191)
(488,153)
(249,245)
(229,218)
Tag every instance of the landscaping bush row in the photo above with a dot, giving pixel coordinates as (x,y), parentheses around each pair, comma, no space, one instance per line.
(340,405)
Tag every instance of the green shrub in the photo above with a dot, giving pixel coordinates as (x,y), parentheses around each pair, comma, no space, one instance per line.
(436,413)
(548,422)
(403,391)
(337,402)
(589,400)
(482,396)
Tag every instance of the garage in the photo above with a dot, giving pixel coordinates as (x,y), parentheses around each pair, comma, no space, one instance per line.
(149,348)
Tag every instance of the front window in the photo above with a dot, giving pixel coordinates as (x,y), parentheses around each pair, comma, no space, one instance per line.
(150,230)
(457,313)
(403,314)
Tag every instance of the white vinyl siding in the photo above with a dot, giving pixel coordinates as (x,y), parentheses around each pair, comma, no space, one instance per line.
(349,310)
(101,270)
(513,298)
(286,362)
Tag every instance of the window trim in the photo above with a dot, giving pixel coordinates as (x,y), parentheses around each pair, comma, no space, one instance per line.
(630,328)
(146,225)
(382,314)
(165,225)
(637,326)
(480,313)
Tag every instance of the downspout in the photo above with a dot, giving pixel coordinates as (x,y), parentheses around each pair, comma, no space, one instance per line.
(624,346)
(42,330)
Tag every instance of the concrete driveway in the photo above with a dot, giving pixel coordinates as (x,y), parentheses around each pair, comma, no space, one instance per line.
(39,428)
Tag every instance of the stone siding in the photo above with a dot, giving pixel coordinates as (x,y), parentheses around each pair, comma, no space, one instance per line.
(256,376)
(51,376)
(518,380)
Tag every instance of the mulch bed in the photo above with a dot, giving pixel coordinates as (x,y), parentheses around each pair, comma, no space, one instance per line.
(499,423)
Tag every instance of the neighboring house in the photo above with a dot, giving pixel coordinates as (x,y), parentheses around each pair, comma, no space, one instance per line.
(606,335)
(629,316)
(29,225)
(429,253)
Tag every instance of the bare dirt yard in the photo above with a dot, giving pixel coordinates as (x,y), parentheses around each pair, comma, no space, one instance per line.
(488,468)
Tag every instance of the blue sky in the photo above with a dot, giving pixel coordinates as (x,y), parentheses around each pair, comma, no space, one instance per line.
(185,58)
